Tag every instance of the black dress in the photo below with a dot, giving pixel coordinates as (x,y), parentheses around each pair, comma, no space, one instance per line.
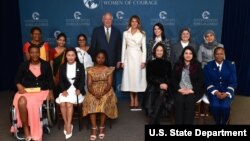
(158,102)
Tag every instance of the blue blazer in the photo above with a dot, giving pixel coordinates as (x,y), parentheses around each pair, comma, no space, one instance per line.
(224,80)
(113,47)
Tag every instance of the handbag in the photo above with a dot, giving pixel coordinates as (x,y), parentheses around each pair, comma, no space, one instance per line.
(33,90)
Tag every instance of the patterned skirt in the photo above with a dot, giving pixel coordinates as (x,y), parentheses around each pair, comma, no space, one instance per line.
(106,105)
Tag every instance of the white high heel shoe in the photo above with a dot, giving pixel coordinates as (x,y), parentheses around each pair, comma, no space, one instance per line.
(101,135)
(28,138)
(93,136)
(67,136)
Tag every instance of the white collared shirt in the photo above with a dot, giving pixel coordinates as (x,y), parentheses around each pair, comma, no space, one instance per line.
(219,65)
(157,40)
(184,44)
(105,29)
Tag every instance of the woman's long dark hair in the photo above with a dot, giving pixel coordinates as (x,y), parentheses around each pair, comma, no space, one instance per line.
(164,50)
(66,51)
(181,62)
(163,36)
(62,35)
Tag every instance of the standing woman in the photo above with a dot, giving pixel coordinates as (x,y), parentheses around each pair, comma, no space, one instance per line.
(31,74)
(184,41)
(100,98)
(206,50)
(57,56)
(158,37)
(206,54)
(221,81)
(36,40)
(82,53)
(71,81)
(188,85)
(133,60)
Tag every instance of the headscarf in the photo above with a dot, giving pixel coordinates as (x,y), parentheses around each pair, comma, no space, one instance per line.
(210,45)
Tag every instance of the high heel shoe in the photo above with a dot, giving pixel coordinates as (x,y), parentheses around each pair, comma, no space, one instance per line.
(28,138)
(64,131)
(67,136)
(101,135)
(93,136)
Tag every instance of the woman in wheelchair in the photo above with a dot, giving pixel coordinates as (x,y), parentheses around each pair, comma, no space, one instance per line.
(72,82)
(34,82)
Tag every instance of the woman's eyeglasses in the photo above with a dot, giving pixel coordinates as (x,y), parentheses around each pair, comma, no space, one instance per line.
(81,40)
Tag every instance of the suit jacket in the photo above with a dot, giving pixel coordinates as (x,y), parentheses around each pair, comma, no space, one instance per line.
(113,47)
(196,77)
(28,79)
(176,51)
(79,79)
(224,80)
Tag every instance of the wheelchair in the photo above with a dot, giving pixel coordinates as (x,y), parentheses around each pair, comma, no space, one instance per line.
(47,119)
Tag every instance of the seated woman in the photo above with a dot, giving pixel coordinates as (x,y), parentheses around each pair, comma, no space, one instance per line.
(100,97)
(188,85)
(34,74)
(158,96)
(71,81)
(220,80)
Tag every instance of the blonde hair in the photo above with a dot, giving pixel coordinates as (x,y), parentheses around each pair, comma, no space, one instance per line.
(139,23)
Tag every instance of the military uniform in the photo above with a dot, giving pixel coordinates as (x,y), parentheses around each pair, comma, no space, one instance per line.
(222,78)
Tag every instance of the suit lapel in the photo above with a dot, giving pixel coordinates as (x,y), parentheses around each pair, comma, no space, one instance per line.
(104,34)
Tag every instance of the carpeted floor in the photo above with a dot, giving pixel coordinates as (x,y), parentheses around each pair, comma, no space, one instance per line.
(128,127)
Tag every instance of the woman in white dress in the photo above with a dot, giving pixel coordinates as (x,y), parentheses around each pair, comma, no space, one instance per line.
(133,60)
(83,55)
(71,81)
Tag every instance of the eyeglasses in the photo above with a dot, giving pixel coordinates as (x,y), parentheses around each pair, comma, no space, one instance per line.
(81,40)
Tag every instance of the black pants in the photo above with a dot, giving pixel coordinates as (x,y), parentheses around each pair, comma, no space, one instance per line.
(157,106)
(184,108)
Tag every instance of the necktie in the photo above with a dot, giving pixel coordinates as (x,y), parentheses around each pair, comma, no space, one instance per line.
(107,34)
(218,67)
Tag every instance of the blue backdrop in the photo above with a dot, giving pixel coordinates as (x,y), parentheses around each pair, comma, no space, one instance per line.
(81,16)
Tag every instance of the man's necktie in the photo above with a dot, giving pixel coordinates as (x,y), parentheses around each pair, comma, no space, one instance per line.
(107,34)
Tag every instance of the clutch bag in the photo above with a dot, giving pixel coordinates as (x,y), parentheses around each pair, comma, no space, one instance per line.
(33,90)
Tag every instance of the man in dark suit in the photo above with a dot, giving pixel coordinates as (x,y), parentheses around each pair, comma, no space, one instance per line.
(107,37)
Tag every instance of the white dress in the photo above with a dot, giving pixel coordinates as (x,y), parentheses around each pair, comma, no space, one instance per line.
(86,60)
(133,54)
(71,98)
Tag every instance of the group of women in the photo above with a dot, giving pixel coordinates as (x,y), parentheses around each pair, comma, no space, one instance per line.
(170,75)
(179,74)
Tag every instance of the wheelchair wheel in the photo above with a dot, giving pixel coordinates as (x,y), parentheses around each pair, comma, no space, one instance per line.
(46,129)
(51,112)
(10,115)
